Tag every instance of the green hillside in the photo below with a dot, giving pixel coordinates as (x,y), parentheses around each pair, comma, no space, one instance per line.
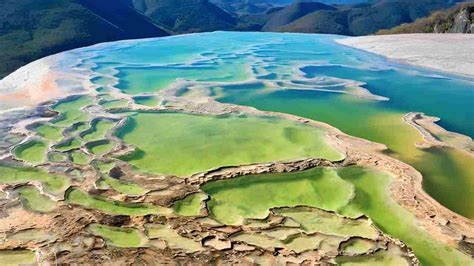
(183,16)
(458,19)
(32,29)
(361,19)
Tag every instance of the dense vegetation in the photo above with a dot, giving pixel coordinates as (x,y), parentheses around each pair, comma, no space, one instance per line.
(458,19)
(359,19)
(31,29)
(291,13)
(183,16)
(260,6)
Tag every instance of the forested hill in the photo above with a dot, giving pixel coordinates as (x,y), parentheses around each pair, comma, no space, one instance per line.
(458,19)
(361,19)
(31,29)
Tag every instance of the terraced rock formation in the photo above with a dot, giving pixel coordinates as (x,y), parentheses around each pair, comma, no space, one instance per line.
(155,173)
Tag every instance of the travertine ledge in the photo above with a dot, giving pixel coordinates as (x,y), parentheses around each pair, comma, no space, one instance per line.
(444,52)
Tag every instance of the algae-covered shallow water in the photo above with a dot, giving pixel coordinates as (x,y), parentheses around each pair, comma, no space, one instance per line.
(52,183)
(184,144)
(314,77)
(450,180)
(348,191)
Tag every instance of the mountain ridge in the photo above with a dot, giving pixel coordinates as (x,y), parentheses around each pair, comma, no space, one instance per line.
(361,19)
(183,16)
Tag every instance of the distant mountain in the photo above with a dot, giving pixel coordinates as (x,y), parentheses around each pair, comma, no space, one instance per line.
(361,19)
(31,29)
(458,19)
(291,13)
(183,16)
(243,7)
(324,21)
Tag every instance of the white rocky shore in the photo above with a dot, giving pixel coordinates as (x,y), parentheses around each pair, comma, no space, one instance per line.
(444,52)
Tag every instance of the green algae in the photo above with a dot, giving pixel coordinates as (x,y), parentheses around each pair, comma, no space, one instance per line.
(103,167)
(314,220)
(118,236)
(100,147)
(372,120)
(78,127)
(232,200)
(68,145)
(33,151)
(70,111)
(76,196)
(124,187)
(358,246)
(79,157)
(372,198)
(121,103)
(98,130)
(57,157)
(190,205)
(13,175)
(348,191)
(33,200)
(304,242)
(172,239)
(391,257)
(17,257)
(149,101)
(450,181)
(281,233)
(184,144)
(49,132)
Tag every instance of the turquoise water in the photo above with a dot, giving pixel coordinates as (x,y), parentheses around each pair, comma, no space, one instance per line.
(448,98)
(154,64)
(448,175)
(264,70)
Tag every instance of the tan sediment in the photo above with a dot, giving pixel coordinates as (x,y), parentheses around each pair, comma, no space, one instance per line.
(10,220)
(32,94)
(29,85)
(36,83)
